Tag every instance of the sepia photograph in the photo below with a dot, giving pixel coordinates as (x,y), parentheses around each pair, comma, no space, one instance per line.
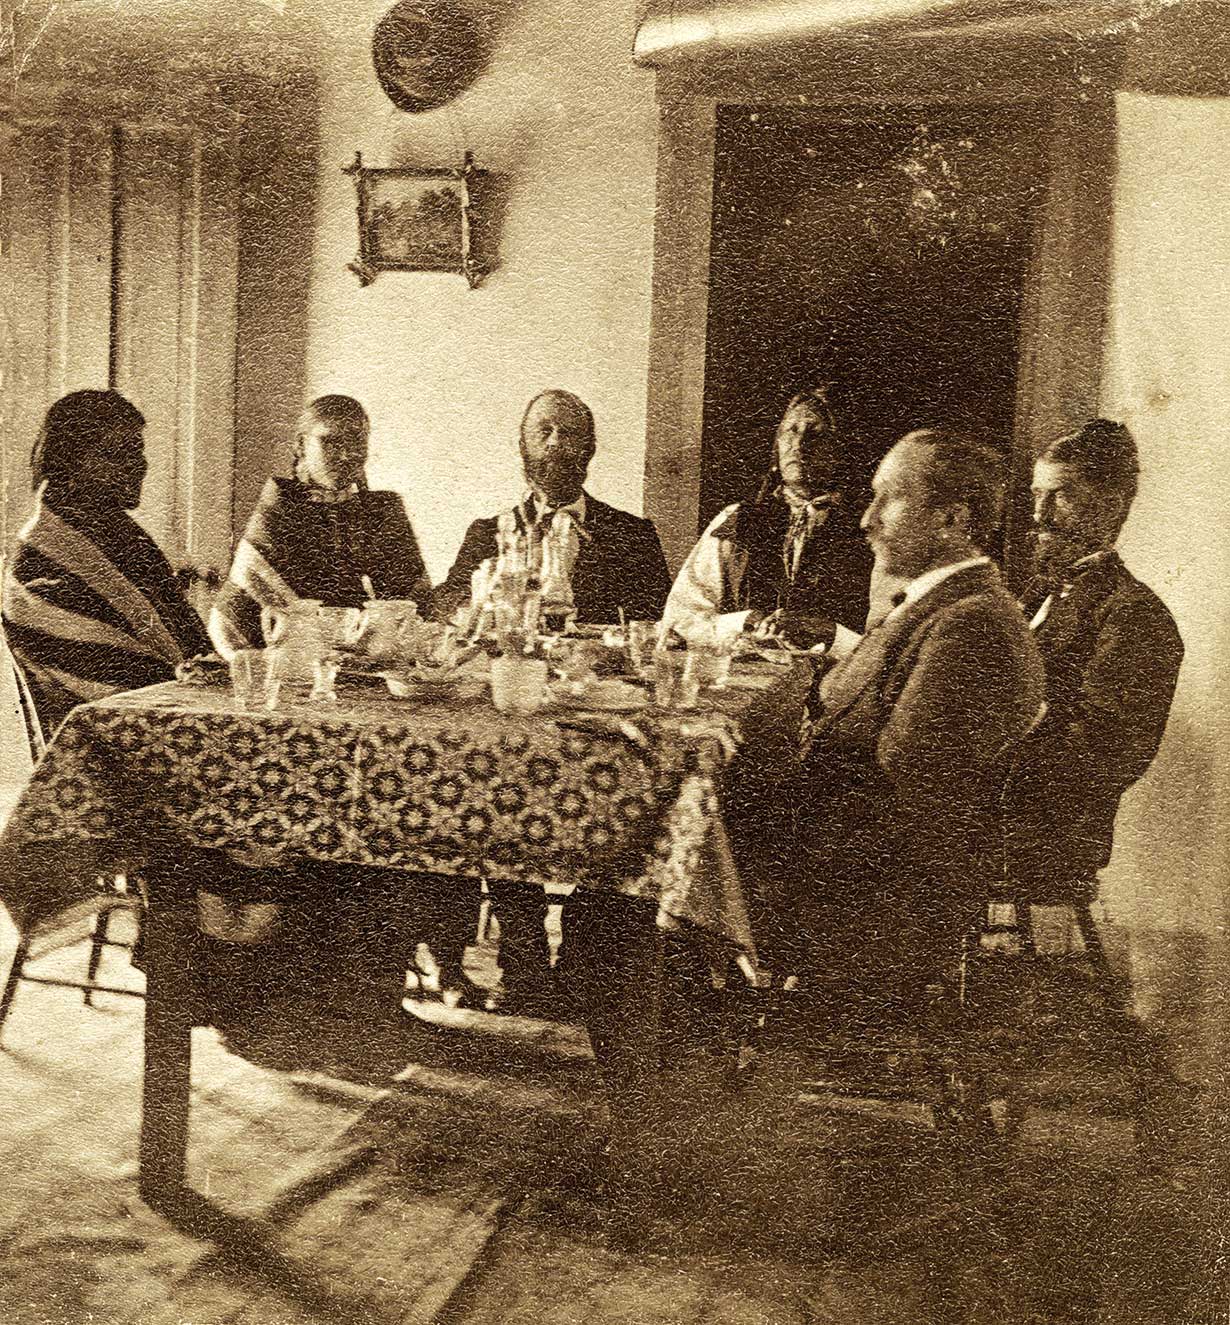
(614,662)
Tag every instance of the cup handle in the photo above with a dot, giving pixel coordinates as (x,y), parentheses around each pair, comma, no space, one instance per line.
(356,626)
(273,624)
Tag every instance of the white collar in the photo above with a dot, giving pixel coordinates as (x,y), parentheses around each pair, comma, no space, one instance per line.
(1102,554)
(929,580)
(577,509)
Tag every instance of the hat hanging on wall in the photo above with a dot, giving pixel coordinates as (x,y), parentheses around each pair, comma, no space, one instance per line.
(426,52)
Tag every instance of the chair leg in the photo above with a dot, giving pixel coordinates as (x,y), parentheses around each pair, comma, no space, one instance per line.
(10,988)
(1096,953)
(1025,928)
(98,941)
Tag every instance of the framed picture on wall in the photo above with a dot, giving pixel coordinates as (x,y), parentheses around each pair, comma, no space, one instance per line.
(417,220)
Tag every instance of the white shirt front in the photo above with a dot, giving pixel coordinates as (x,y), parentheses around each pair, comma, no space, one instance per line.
(577,510)
(1040,616)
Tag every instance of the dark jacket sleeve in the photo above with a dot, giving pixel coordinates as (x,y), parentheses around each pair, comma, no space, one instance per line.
(478,544)
(1112,724)
(1101,732)
(649,581)
(972,688)
(396,564)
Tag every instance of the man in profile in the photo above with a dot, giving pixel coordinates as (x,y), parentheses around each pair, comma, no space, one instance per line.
(1112,654)
(615,565)
(903,778)
(616,558)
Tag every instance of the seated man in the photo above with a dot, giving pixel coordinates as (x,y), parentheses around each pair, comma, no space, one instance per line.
(91,605)
(903,777)
(616,563)
(1112,655)
(790,559)
(617,560)
(321,534)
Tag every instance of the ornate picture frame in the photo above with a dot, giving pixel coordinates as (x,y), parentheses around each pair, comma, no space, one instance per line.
(417,220)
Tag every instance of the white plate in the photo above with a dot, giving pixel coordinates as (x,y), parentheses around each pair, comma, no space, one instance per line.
(403,685)
(605,697)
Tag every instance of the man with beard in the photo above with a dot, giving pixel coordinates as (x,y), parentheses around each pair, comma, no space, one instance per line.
(904,773)
(616,558)
(1112,655)
(616,564)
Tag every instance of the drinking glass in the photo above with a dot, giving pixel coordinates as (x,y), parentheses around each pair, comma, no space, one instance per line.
(255,678)
(324,678)
(518,685)
(642,644)
(674,685)
(709,666)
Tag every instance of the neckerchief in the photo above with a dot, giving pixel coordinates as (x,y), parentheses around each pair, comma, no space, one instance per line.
(807,515)
(331,496)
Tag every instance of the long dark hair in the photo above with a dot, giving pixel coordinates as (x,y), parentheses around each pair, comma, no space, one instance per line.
(825,399)
(80,424)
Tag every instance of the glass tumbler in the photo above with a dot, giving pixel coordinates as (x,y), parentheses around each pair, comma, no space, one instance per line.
(709,666)
(255,679)
(642,645)
(674,684)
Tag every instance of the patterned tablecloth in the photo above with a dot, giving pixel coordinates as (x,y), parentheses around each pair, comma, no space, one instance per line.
(441,785)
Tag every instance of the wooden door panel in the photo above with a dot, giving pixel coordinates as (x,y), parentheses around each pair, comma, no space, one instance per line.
(87,287)
(36,180)
(146,313)
(123,256)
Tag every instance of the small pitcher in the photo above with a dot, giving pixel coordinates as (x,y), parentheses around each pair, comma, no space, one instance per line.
(296,629)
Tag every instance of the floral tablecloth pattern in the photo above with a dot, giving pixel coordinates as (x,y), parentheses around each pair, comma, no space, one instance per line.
(439,786)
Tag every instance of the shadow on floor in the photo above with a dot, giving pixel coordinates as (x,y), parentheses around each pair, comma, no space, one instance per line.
(452,1168)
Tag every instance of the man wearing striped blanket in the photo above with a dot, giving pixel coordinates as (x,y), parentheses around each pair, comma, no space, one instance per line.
(91,605)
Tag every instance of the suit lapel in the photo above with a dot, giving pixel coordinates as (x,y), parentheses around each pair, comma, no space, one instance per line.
(1065,622)
(591,545)
(870,661)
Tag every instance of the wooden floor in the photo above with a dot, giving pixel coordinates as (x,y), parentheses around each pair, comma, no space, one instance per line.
(450,1174)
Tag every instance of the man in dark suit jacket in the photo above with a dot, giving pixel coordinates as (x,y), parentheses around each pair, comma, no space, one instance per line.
(1112,655)
(617,558)
(904,774)
(616,563)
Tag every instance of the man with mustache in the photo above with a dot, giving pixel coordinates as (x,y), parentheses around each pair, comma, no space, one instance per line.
(899,824)
(1112,655)
(615,564)
(615,558)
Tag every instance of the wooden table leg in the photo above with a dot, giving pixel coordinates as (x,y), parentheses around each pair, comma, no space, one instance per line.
(617,949)
(169,1017)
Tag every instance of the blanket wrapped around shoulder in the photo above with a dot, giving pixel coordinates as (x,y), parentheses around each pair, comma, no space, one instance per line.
(91,607)
(298,544)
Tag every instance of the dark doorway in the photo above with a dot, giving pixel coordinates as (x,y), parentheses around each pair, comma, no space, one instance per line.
(887,253)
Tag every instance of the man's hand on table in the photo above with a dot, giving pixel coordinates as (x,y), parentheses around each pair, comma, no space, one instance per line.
(804,632)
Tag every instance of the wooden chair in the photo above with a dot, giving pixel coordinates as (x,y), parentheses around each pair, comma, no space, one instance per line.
(932,1058)
(948,1048)
(1010,922)
(1158,1100)
(55,931)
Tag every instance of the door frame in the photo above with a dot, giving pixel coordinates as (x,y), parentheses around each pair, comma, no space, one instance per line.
(1067,283)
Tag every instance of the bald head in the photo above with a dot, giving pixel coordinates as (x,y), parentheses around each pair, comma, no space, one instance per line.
(557,444)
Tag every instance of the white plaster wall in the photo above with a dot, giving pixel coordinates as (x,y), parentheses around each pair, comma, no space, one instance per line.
(444,371)
(1168,377)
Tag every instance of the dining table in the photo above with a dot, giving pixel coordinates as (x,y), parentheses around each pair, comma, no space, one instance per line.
(433,782)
